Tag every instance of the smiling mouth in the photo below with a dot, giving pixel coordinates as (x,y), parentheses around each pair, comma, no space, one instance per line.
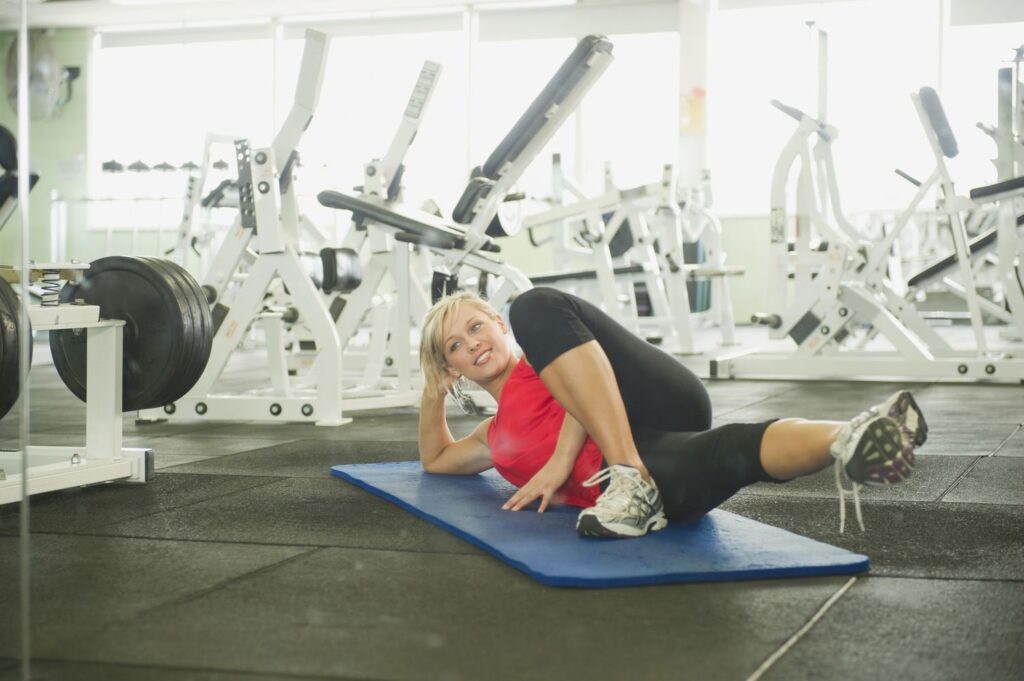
(482,358)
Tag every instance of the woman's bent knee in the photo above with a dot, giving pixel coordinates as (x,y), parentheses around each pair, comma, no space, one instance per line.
(545,324)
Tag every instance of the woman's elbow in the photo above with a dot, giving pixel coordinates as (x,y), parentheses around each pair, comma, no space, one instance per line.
(433,465)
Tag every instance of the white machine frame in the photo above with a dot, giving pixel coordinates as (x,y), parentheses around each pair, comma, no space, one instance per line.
(847,283)
(265,237)
(663,270)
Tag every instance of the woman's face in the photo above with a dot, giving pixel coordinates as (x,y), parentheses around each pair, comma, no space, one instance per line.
(476,346)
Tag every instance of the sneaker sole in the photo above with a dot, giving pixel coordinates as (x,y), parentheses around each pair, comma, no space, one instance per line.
(906,412)
(590,526)
(880,457)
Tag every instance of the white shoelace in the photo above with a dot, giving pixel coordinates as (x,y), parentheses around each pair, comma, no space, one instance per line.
(618,495)
(855,489)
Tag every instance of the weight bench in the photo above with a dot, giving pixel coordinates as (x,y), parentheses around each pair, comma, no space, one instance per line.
(418,228)
(475,220)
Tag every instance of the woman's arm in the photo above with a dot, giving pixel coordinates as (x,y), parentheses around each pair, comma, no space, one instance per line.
(440,452)
(549,479)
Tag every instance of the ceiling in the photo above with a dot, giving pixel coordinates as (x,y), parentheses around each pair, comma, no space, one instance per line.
(93,13)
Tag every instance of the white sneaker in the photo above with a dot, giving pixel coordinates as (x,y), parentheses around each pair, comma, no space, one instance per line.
(902,408)
(629,507)
(870,450)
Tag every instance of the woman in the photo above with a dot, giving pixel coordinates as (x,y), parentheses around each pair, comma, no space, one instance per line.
(593,416)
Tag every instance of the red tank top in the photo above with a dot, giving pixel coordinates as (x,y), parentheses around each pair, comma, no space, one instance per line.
(523,434)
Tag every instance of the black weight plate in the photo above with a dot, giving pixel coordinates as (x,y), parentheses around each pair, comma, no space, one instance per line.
(204,341)
(193,330)
(202,336)
(10,337)
(205,316)
(192,326)
(155,338)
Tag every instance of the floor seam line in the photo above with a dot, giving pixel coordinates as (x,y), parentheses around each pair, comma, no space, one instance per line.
(960,478)
(1005,440)
(216,670)
(194,503)
(203,592)
(795,638)
(231,542)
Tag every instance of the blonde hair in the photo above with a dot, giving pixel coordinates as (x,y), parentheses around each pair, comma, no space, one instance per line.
(432,358)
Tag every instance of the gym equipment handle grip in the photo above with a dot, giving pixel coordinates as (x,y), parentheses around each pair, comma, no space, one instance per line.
(909,178)
(766,319)
(799,115)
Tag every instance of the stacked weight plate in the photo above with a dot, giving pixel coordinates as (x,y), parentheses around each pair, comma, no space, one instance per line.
(11,335)
(168,330)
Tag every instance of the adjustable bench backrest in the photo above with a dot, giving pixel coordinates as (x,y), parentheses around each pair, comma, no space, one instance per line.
(939,123)
(530,134)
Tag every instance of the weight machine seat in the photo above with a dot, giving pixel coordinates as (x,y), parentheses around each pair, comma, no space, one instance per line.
(421,228)
(554,93)
(977,245)
(1003,187)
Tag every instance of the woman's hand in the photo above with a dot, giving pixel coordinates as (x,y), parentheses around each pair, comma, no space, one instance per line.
(544,484)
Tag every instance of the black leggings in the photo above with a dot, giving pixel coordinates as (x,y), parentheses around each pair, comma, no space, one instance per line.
(667,405)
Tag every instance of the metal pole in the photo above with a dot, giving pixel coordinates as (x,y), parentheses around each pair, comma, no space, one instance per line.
(24,343)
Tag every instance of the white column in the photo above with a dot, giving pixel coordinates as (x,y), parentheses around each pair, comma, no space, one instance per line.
(694,30)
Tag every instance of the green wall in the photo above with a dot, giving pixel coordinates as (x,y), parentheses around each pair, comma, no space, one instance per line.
(746,242)
(56,148)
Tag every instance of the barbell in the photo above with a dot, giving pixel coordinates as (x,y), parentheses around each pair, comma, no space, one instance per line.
(168,332)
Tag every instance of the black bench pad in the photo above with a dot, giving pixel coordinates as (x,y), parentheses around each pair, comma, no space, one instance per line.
(560,85)
(998,188)
(977,244)
(428,229)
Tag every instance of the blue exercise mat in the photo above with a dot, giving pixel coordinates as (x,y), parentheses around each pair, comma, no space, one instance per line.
(721,546)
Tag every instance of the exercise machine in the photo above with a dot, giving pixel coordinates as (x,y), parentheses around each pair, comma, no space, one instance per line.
(841,299)
(637,236)
(467,240)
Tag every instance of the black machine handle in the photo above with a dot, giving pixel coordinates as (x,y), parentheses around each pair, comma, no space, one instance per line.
(909,178)
(798,116)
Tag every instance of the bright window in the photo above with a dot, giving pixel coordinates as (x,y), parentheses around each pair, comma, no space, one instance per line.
(158,102)
(879,52)
(973,55)
(630,118)
(367,85)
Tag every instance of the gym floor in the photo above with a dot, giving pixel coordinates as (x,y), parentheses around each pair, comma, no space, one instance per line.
(243,559)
